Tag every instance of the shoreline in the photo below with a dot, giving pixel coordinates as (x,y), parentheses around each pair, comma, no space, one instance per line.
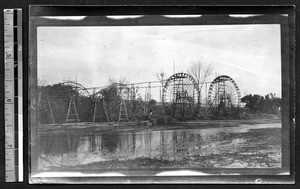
(146,125)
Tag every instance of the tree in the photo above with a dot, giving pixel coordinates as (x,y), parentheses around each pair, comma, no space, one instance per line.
(114,95)
(42,82)
(160,77)
(251,102)
(54,103)
(121,80)
(112,101)
(152,105)
(200,72)
(262,104)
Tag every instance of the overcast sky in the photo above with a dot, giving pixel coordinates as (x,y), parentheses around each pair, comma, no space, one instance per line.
(250,54)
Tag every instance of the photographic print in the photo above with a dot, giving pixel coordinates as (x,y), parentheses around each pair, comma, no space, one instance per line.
(159,97)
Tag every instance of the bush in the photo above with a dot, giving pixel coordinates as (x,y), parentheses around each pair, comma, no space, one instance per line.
(165,120)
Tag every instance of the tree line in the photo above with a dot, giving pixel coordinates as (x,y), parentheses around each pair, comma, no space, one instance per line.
(269,104)
(55,101)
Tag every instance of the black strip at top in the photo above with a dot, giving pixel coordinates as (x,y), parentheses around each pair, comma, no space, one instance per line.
(88,10)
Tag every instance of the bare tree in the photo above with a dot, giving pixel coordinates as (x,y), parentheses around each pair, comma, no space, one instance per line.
(42,82)
(200,72)
(160,76)
(121,80)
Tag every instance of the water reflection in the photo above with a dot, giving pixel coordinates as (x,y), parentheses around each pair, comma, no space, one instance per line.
(173,145)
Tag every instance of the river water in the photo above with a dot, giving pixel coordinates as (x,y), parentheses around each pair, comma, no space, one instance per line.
(245,146)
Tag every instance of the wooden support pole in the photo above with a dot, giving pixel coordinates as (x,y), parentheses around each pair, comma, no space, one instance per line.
(51,112)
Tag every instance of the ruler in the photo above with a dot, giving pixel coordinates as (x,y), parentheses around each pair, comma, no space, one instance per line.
(13,81)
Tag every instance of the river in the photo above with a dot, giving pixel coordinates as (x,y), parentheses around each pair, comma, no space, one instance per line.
(246,146)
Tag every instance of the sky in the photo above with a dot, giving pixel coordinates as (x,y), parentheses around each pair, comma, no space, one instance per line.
(250,54)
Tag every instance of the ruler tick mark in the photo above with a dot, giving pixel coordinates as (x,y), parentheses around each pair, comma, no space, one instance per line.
(12,29)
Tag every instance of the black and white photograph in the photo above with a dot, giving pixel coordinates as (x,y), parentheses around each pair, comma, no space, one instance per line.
(110,98)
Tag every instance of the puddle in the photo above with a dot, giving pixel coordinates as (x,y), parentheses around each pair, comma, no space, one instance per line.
(244,146)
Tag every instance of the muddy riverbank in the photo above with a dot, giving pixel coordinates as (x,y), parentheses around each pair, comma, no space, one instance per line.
(246,146)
